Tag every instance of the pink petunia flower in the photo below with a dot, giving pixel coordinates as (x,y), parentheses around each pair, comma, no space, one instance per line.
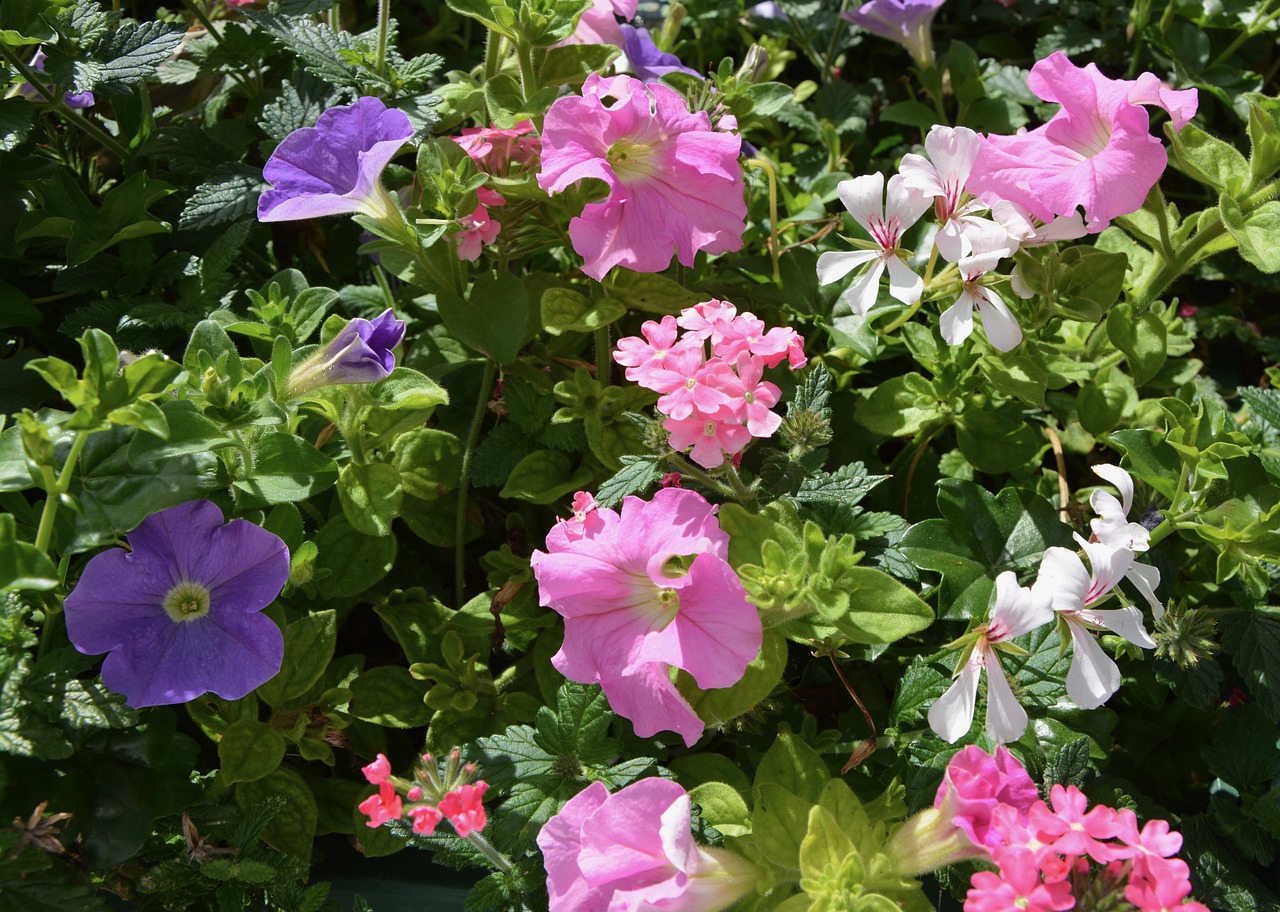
(975,784)
(1097,153)
(675,184)
(634,851)
(646,590)
(599,24)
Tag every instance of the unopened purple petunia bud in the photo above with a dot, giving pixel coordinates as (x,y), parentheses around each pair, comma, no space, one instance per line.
(908,22)
(335,167)
(361,353)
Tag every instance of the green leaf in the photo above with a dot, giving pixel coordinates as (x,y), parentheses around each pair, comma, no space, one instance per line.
(285,468)
(723,704)
(637,475)
(900,406)
(881,609)
(231,196)
(1253,641)
(651,293)
(847,485)
(21,22)
(189,433)
(429,462)
(1088,281)
(1143,339)
(565,310)
(544,476)
(293,828)
(492,319)
(17,115)
(370,496)
(351,562)
(308,647)
(1208,159)
(1264,137)
(571,64)
(388,695)
(793,765)
(1255,232)
(779,822)
(997,440)
(406,389)
(910,114)
(721,805)
(249,750)
(22,565)
(980,536)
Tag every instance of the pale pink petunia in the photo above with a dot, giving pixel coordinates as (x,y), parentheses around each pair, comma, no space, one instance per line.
(599,23)
(633,851)
(1096,153)
(886,221)
(674,182)
(635,606)
(1017,610)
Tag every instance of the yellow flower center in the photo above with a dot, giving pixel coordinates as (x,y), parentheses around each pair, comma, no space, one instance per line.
(186,601)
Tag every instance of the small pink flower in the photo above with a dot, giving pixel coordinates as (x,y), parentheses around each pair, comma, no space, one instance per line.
(464,809)
(414,793)
(384,806)
(495,150)
(1018,886)
(672,480)
(707,320)
(712,437)
(675,184)
(379,771)
(425,818)
(634,851)
(1069,830)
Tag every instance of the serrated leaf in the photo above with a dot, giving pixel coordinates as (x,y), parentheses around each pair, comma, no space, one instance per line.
(846,485)
(1253,641)
(637,475)
(16,118)
(232,196)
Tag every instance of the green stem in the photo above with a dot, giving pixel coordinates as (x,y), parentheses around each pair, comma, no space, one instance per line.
(1170,523)
(36,81)
(488,851)
(528,71)
(464,481)
(603,348)
(775,240)
(380,276)
(55,488)
(384,19)
(688,468)
(204,20)
(1255,28)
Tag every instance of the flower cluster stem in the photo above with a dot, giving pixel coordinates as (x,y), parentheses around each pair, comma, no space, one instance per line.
(56,487)
(488,851)
(384,25)
(464,482)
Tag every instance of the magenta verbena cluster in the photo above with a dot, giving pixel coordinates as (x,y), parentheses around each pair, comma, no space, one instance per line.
(715,403)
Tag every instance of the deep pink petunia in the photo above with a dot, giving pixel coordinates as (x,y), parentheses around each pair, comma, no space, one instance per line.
(674,181)
(975,784)
(635,606)
(1096,153)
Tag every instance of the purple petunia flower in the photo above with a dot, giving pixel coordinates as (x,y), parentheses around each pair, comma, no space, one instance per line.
(74,100)
(180,612)
(361,353)
(908,22)
(334,167)
(650,64)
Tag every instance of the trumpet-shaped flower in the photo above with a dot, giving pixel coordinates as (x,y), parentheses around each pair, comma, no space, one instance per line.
(363,352)
(1073,591)
(885,221)
(336,166)
(1017,610)
(633,851)
(643,591)
(181,612)
(674,182)
(908,22)
(599,23)
(1097,153)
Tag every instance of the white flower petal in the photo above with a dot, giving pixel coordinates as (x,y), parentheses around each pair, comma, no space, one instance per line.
(1093,677)
(862,294)
(920,175)
(952,151)
(1145,579)
(835,265)
(1006,719)
(951,716)
(904,284)
(1062,579)
(864,198)
(1122,480)
(998,322)
(1125,621)
(1108,566)
(904,203)
(1017,610)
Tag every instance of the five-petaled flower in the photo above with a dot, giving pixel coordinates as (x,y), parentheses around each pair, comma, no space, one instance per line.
(335,167)
(181,612)
(674,181)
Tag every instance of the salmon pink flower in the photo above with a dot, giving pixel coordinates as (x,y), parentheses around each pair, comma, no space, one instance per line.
(379,771)
(1097,153)
(383,806)
(634,850)
(181,612)
(464,809)
(643,591)
(674,182)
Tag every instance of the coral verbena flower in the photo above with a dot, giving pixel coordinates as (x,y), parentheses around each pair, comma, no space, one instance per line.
(1096,153)
(675,184)
(634,850)
(181,612)
(363,352)
(641,592)
(335,167)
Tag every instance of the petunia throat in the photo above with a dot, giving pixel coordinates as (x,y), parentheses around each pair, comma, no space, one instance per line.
(187,601)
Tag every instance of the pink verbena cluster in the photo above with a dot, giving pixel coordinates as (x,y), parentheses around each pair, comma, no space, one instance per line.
(1061,854)
(430,798)
(715,403)
(498,152)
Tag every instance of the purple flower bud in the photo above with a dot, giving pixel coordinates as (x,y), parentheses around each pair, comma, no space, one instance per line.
(908,22)
(361,353)
(335,167)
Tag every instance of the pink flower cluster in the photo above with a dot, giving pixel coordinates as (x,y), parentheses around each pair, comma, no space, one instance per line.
(633,850)
(714,404)
(497,152)
(1046,852)
(431,797)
